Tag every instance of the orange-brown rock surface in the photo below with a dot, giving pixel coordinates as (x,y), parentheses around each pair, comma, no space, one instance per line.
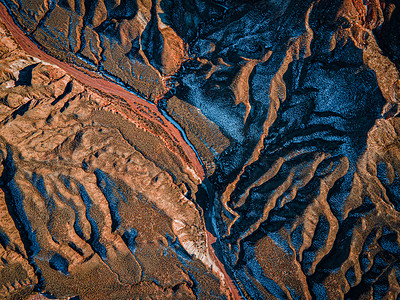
(127,40)
(82,211)
(267,167)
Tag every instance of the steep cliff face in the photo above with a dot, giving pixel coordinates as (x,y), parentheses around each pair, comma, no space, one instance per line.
(292,107)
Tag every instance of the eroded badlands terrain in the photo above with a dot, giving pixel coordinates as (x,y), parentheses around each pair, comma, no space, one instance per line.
(200,149)
(83,212)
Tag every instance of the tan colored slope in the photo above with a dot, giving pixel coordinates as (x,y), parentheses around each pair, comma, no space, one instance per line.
(106,221)
(141,107)
(135,47)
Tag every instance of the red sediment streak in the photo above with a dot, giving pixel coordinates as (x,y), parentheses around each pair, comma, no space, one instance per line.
(229,282)
(93,80)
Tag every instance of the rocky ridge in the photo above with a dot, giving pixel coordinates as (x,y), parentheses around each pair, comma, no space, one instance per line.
(293,108)
(84,212)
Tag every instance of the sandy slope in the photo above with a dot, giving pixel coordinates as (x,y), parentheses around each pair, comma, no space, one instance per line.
(140,108)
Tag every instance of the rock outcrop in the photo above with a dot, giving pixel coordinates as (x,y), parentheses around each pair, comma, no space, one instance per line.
(83,212)
(292,108)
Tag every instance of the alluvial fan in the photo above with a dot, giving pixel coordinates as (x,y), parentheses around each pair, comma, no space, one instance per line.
(262,162)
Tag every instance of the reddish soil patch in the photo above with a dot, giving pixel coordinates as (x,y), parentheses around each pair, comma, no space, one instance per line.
(232,287)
